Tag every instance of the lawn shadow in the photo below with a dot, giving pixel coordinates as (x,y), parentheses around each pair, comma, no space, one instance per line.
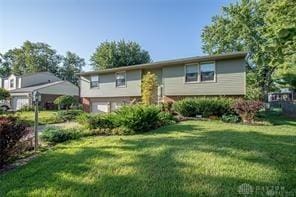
(277,118)
(154,167)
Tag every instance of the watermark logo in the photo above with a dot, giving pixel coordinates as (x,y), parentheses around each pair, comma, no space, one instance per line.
(245,189)
(265,190)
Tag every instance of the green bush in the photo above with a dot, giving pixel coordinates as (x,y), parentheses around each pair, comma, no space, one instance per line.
(68,115)
(57,135)
(101,121)
(127,120)
(139,118)
(11,132)
(166,118)
(230,118)
(83,118)
(212,106)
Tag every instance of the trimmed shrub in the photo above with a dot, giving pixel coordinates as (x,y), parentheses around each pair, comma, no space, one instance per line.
(57,135)
(101,121)
(11,131)
(166,118)
(68,115)
(247,109)
(230,118)
(138,118)
(127,120)
(212,106)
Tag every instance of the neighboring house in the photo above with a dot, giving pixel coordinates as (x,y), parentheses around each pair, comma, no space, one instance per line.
(106,90)
(284,94)
(47,84)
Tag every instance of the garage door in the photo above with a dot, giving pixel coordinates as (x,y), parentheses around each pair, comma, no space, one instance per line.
(116,105)
(100,107)
(19,101)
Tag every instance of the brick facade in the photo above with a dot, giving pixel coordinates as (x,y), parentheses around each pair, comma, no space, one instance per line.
(86,104)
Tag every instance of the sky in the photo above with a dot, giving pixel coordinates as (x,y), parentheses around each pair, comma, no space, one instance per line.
(168,29)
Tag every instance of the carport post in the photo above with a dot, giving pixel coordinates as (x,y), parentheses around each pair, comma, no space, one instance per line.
(36,99)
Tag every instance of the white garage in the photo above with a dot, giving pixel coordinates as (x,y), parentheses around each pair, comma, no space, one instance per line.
(100,107)
(19,101)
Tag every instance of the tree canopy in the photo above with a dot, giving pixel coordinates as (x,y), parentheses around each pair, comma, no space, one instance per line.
(32,57)
(266,29)
(72,64)
(115,54)
(37,57)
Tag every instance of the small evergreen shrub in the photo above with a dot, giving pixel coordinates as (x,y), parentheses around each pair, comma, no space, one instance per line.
(101,121)
(127,120)
(230,118)
(68,115)
(212,106)
(166,118)
(57,135)
(139,118)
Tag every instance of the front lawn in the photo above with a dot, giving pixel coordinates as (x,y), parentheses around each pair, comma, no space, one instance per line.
(45,117)
(189,158)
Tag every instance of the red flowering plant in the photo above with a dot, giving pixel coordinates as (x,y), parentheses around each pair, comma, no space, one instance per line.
(247,109)
(11,132)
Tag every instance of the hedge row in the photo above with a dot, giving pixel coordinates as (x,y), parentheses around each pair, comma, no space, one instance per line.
(192,107)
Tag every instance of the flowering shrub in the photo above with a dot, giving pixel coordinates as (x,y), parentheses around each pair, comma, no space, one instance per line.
(11,131)
(247,109)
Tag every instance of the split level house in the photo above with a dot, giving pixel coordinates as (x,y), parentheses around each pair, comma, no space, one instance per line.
(21,89)
(213,75)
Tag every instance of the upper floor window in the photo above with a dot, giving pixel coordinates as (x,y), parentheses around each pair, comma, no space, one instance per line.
(120,79)
(207,72)
(191,73)
(94,81)
(11,83)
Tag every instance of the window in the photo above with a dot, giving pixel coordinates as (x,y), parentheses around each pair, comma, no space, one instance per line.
(191,73)
(120,79)
(207,72)
(94,81)
(11,83)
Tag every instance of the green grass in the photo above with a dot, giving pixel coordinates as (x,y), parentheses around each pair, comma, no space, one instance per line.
(45,117)
(190,158)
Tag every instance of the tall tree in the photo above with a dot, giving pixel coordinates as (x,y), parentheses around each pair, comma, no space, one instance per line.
(72,64)
(32,57)
(248,25)
(5,69)
(115,54)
